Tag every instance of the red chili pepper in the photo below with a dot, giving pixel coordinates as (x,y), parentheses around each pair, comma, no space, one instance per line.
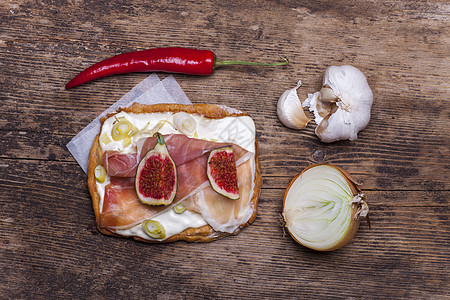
(169,60)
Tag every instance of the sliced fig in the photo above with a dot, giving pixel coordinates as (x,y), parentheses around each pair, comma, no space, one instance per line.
(221,171)
(156,176)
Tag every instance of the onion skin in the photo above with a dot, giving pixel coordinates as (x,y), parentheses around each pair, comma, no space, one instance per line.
(354,225)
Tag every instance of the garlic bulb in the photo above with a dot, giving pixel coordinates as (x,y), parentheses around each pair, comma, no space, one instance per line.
(290,110)
(342,107)
(185,123)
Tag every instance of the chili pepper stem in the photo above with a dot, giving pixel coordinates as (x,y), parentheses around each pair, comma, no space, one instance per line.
(248,63)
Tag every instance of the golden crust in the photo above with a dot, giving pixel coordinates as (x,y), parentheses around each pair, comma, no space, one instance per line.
(205,233)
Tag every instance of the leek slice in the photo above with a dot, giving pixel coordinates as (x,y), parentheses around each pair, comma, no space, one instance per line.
(179,208)
(100,173)
(154,229)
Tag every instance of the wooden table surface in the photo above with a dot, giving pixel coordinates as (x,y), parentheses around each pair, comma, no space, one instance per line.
(49,247)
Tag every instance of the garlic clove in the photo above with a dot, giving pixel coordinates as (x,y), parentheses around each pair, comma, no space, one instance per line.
(322,126)
(290,110)
(327,95)
(342,107)
(184,123)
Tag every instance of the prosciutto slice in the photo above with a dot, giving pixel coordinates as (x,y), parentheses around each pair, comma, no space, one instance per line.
(120,165)
(222,213)
(122,208)
(181,148)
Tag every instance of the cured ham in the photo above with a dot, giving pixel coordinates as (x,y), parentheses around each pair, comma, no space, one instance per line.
(222,213)
(122,208)
(120,165)
(181,148)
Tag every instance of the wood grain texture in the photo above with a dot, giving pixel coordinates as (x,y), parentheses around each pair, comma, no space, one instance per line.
(49,247)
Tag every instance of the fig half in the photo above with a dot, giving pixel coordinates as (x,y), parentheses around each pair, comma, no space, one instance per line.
(221,171)
(156,176)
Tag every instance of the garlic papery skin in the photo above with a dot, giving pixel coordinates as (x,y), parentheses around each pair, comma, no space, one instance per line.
(184,123)
(290,110)
(342,108)
(322,208)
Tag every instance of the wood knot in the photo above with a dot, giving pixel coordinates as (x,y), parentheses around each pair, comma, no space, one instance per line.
(318,156)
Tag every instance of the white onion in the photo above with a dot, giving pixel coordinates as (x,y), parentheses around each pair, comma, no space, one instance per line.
(322,208)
